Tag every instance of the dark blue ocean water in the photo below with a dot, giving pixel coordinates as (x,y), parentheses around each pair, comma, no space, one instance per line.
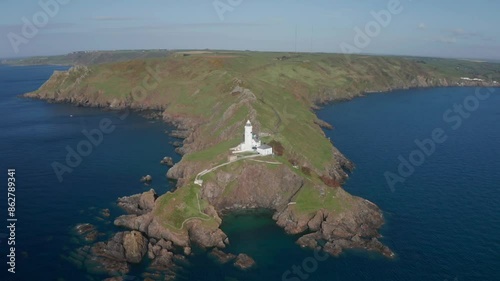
(34,134)
(443,221)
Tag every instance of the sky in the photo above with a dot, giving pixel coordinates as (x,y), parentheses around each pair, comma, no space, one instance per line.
(444,28)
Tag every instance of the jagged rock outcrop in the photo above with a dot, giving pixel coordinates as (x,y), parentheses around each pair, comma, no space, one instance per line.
(206,238)
(147,179)
(87,231)
(115,255)
(149,225)
(135,246)
(168,161)
(138,204)
(244,262)
(122,247)
(340,166)
(221,256)
(147,200)
(111,254)
(355,227)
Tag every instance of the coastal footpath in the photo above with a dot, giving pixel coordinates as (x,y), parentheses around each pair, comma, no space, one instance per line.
(209,96)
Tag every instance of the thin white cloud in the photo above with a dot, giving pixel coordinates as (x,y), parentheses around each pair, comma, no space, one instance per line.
(422,26)
(112,18)
(460,33)
(452,36)
(446,39)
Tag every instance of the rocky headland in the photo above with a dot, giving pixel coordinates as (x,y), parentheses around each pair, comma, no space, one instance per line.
(208,98)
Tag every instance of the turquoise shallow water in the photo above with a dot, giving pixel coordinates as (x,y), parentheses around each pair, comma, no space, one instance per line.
(443,221)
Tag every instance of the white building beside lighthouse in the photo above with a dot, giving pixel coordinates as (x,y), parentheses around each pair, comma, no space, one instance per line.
(252,142)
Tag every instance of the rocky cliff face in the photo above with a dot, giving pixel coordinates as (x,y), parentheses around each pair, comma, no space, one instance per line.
(420,81)
(355,227)
(256,186)
(252,187)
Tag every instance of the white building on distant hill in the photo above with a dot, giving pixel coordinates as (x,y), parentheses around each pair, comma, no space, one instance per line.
(252,143)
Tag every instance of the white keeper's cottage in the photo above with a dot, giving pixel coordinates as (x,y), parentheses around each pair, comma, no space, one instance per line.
(265,150)
(252,143)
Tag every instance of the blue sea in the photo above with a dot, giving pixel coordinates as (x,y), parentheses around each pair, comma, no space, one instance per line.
(442,220)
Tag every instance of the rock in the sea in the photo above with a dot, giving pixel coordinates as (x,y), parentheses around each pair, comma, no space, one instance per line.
(222,257)
(163,261)
(110,266)
(135,246)
(309,240)
(105,213)
(332,248)
(153,250)
(187,251)
(138,204)
(177,144)
(168,161)
(130,204)
(180,150)
(122,248)
(84,228)
(87,231)
(112,249)
(110,255)
(147,179)
(376,245)
(244,262)
(165,244)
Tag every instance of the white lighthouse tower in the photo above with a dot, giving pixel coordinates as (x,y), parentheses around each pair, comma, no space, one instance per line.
(252,143)
(248,144)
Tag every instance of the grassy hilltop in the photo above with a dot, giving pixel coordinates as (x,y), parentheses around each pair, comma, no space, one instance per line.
(88,57)
(213,94)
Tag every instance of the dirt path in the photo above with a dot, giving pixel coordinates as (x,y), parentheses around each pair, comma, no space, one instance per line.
(205,218)
(199,181)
